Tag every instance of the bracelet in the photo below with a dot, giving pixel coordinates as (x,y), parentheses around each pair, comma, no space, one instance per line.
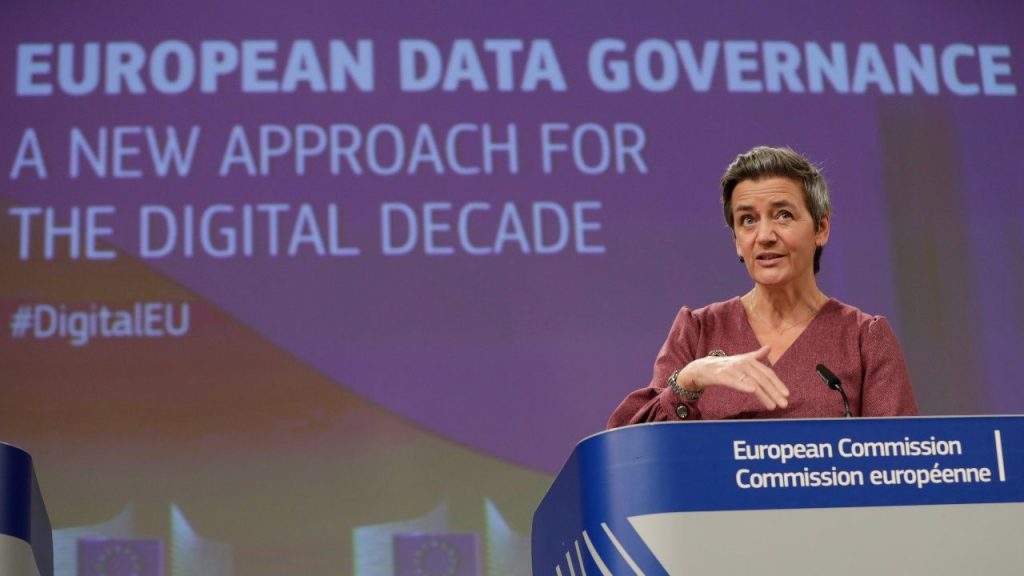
(684,393)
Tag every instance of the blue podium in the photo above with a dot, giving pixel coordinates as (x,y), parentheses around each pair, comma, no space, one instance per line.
(26,542)
(844,496)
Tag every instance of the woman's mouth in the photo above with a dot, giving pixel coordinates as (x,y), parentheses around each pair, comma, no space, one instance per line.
(769,258)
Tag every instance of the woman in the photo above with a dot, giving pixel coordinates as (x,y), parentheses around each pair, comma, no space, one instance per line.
(754,356)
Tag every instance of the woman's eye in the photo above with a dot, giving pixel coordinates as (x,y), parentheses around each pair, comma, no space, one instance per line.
(745,220)
(785,215)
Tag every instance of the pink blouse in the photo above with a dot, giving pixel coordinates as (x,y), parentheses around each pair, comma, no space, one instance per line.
(861,350)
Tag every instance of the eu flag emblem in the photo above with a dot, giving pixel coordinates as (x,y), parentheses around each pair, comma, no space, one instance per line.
(120,557)
(439,554)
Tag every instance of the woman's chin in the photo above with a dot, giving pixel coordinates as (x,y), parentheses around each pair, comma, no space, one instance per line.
(771,278)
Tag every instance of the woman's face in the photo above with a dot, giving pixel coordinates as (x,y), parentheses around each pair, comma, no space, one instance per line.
(775,232)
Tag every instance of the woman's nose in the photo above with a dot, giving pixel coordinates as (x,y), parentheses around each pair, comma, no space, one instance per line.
(766,232)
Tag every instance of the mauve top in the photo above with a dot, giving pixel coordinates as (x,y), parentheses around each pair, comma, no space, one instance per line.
(860,349)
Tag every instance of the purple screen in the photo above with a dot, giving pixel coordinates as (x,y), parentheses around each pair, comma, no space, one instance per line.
(286,281)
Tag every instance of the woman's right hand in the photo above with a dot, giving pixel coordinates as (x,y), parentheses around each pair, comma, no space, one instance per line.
(743,372)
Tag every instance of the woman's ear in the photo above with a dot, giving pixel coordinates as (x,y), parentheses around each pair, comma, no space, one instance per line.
(821,234)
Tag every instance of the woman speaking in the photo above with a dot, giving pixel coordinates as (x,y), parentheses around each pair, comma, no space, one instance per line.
(755,356)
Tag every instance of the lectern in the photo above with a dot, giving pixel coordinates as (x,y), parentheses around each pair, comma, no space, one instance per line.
(26,542)
(839,497)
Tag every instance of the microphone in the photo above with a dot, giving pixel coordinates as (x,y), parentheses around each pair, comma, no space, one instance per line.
(833,382)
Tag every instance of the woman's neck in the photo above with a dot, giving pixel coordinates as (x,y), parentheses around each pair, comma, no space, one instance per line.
(784,307)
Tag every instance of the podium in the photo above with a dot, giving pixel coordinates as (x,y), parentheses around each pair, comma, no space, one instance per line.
(26,542)
(843,496)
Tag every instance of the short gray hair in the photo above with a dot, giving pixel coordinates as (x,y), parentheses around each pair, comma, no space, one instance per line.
(767,162)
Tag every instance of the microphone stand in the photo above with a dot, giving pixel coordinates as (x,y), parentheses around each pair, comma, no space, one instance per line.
(833,382)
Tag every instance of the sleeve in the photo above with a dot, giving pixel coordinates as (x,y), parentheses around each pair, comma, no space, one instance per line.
(887,390)
(657,402)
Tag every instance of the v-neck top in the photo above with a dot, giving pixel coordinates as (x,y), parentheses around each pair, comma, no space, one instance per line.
(860,349)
